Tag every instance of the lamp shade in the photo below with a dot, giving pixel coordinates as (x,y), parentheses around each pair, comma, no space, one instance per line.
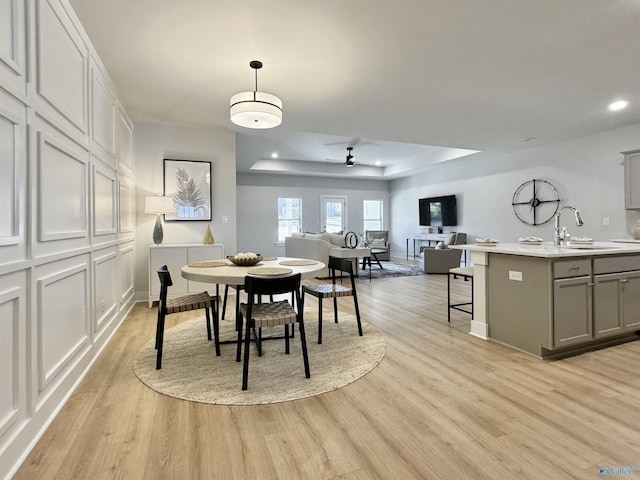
(158,205)
(256,110)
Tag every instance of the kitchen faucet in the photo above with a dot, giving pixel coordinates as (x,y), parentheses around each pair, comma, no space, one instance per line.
(558,236)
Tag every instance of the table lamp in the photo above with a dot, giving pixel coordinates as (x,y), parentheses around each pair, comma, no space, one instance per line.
(158,205)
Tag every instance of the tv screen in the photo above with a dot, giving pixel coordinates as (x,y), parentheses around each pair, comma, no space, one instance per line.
(438,211)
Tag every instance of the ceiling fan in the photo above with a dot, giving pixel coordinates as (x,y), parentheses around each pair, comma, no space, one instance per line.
(349,160)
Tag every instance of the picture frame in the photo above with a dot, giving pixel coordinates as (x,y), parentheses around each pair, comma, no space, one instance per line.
(189,183)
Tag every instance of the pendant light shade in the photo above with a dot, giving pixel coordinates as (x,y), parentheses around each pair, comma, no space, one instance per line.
(256,109)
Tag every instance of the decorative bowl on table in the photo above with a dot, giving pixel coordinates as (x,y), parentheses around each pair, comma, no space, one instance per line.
(245,259)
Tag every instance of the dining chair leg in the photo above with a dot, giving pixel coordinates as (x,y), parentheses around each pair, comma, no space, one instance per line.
(159,341)
(216,331)
(319,320)
(303,342)
(286,338)
(158,329)
(335,309)
(239,344)
(355,303)
(245,366)
(208,320)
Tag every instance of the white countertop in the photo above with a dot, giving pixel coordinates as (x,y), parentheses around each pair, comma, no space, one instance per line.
(548,250)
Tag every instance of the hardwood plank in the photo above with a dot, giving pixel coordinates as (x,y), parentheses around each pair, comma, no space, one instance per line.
(441,405)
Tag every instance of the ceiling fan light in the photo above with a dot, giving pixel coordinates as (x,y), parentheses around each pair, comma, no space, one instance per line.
(256,110)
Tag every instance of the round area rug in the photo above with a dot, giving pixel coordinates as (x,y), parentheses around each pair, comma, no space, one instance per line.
(191,370)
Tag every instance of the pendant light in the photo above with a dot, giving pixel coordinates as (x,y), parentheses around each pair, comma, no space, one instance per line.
(256,109)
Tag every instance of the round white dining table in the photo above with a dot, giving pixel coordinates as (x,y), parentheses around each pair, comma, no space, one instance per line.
(228,273)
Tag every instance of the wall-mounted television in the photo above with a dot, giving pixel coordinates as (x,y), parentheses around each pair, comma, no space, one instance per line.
(438,211)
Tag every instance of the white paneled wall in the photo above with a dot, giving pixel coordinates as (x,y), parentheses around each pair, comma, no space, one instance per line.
(67,218)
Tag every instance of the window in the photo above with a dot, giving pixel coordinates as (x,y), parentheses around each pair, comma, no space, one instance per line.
(372,214)
(289,216)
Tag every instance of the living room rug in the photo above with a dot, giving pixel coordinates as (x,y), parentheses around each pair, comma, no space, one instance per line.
(389,269)
(191,370)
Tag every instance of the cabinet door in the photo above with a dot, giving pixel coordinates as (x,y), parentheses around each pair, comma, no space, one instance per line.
(632,179)
(201,254)
(174,258)
(607,306)
(572,312)
(630,293)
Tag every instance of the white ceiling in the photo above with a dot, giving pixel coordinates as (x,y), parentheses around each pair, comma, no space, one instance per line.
(392,77)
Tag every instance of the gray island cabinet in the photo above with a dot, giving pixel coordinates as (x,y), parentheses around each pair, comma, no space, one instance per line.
(554,301)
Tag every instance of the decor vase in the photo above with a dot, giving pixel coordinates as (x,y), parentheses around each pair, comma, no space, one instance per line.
(208,237)
(635,231)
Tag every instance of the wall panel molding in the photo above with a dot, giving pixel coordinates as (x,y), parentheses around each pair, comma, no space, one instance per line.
(104,201)
(126,202)
(13,46)
(61,66)
(126,268)
(62,190)
(125,143)
(62,323)
(13,167)
(105,289)
(67,216)
(12,353)
(104,116)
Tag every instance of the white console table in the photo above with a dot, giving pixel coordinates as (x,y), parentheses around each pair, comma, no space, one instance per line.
(425,237)
(175,256)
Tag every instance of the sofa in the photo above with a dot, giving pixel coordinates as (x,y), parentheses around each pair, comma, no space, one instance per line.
(315,246)
(442,258)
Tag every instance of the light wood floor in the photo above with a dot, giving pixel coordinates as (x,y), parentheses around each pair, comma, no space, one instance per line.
(441,405)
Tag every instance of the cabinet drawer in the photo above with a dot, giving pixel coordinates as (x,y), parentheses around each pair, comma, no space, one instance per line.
(616,264)
(572,268)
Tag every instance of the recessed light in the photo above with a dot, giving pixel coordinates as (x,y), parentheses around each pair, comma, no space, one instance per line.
(619,105)
(378,163)
(274,155)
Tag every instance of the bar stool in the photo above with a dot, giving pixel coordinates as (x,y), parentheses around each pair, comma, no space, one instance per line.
(466,273)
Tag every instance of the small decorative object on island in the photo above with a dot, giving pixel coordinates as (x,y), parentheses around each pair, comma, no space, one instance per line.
(635,231)
(208,237)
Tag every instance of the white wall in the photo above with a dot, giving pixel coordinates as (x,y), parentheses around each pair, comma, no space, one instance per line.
(258,200)
(155,142)
(587,171)
(67,227)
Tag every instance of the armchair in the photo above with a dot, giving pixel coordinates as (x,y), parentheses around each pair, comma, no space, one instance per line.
(379,239)
(440,260)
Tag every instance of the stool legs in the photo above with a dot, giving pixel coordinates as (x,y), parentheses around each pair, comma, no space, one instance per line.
(458,306)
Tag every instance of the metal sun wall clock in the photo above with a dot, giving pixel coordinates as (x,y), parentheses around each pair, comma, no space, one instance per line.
(535,202)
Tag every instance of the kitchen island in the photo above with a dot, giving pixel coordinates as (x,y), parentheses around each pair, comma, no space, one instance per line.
(553,301)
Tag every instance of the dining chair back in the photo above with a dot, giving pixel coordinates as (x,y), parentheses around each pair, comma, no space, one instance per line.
(254,315)
(335,290)
(170,305)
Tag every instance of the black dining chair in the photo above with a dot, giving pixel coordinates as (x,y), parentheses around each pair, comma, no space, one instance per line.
(255,315)
(335,290)
(169,305)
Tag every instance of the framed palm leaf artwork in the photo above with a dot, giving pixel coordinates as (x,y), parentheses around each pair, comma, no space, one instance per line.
(189,183)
